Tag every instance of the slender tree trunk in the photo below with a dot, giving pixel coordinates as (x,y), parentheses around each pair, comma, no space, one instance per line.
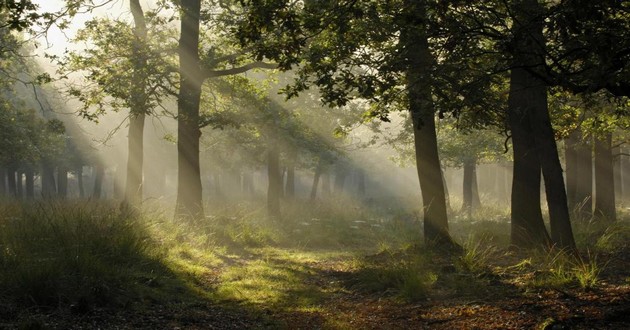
(11,183)
(49,187)
(99,173)
(3,181)
(361,182)
(617,173)
(584,188)
(189,191)
(29,182)
(62,181)
(325,177)
(19,184)
(469,170)
(604,180)
(289,189)
(275,182)
(570,168)
(316,176)
(138,109)
(624,165)
(476,200)
(420,61)
(80,181)
(341,173)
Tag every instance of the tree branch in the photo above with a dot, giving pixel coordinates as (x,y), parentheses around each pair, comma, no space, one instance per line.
(237,70)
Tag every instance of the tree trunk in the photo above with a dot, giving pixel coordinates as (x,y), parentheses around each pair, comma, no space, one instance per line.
(138,109)
(604,180)
(275,182)
(289,189)
(316,176)
(476,200)
(624,164)
(248,184)
(11,183)
(584,187)
(80,181)
(189,191)
(341,173)
(467,193)
(325,177)
(99,173)
(3,181)
(29,182)
(49,188)
(361,182)
(62,181)
(19,187)
(420,61)
(617,173)
(570,168)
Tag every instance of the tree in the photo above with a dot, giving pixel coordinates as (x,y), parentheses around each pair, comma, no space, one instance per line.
(192,74)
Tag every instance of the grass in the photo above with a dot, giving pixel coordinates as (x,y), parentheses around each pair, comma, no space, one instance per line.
(81,255)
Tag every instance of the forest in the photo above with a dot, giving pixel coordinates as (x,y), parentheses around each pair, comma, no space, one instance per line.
(314,164)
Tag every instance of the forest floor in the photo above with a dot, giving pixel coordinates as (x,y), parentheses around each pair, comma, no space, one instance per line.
(267,286)
(319,291)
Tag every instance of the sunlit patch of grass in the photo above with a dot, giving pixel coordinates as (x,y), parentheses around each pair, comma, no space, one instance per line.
(477,253)
(560,270)
(273,280)
(407,274)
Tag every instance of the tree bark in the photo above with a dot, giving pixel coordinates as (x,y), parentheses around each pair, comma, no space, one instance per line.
(316,176)
(49,187)
(604,180)
(617,173)
(275,182)
(467,193)
(420,61)
(570,168)
(3,181)
(29,182)
(62,182)
(11,183)
(99,173)
(361,182)
(584,188)
(189,191)
(289,189)
(341,173)
(80,181)
(529,115)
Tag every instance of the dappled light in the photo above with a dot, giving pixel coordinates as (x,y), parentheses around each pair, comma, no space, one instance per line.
(277,164)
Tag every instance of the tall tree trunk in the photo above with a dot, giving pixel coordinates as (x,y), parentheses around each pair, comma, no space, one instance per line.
(11,183)
(604,179)
(570,168)
(3,181)
(248,184)
(275,182)
(316,176)
(584,188)
(341,173)
(19,191)
(49,187)
(624,165)
(325,177)
(29,182)
(617,173)
(138,109)
(99,173)
(289,189)
(189,191)
(420,61)
(62,181)
(476,201)
(528,102)
(467,187)
(80,181)
(361,182)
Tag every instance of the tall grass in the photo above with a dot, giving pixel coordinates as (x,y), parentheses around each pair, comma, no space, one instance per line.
(55,254)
